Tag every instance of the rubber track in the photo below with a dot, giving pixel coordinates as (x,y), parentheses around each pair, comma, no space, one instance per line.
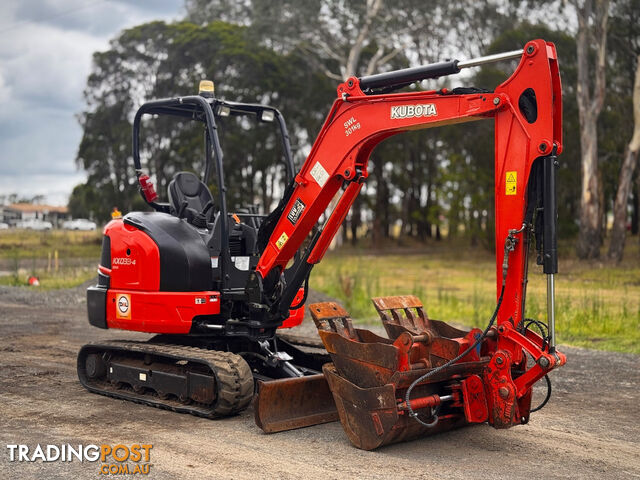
(234,380)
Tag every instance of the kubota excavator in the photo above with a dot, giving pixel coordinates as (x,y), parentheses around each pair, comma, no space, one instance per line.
(217,286)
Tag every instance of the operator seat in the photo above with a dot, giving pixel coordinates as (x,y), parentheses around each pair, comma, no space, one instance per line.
(188,197)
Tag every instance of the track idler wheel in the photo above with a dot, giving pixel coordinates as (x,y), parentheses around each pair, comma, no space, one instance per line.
(95,366)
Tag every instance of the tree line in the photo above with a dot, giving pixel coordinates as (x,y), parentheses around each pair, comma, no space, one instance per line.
(430,184)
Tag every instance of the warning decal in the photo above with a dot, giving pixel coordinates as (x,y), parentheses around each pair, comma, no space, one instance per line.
(123,306)
(282,240)
(319,174)
(511,183)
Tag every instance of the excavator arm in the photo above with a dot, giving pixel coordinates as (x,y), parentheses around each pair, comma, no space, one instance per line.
(527,113)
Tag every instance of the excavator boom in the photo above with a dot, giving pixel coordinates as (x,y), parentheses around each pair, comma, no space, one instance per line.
(527,113)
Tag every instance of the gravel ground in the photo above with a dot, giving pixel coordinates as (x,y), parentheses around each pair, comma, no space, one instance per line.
(589,429)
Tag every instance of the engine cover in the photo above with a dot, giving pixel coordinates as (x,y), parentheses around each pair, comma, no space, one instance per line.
(155,251)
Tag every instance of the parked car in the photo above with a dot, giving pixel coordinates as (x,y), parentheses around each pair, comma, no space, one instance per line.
(79,224)
(4,226)
(35,224)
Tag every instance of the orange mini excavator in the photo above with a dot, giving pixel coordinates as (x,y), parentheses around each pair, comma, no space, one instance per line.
(217,286)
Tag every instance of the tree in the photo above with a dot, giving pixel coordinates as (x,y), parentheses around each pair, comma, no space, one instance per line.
(337,38)
(621,192)
(618,233)
(291,54)
(592,31)
(158,60)
(340,39)
(84,200)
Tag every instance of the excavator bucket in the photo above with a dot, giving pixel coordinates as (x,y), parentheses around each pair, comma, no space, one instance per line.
(370,374)
(370,416)
(290,403)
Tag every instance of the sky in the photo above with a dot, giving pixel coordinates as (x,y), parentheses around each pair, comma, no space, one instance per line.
(46,48)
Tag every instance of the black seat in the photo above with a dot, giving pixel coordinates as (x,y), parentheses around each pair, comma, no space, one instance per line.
(188,197)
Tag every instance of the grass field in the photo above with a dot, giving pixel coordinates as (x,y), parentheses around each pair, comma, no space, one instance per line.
(28,243)
(24,253)
(597,305)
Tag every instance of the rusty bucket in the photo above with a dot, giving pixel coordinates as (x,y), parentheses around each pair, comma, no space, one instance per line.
(369,375)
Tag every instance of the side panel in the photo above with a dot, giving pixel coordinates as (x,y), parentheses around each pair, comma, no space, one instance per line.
(158,312)
(133,300)
(130,298)
(135,258)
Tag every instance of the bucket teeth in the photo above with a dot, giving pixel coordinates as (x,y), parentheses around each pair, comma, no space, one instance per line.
(402,313)
(331,317)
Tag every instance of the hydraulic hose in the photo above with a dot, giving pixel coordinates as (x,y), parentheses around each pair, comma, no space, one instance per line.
(546,398)
(431,373)
(509,246)
(301,303)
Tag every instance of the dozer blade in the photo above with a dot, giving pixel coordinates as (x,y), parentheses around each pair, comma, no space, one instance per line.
(289,403)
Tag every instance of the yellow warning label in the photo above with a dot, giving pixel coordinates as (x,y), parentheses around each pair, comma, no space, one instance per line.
(282,240)
(511,183)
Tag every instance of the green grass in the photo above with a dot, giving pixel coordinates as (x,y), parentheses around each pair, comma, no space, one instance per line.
(597,305)
(28,244)
(64,278)
(24,253)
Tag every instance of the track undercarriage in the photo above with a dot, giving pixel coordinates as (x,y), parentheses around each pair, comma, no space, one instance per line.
(199,376)
(184,379)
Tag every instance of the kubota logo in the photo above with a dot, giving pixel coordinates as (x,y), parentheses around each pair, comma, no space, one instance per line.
(411,111)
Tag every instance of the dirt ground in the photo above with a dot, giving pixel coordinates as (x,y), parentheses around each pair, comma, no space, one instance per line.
(590,428)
